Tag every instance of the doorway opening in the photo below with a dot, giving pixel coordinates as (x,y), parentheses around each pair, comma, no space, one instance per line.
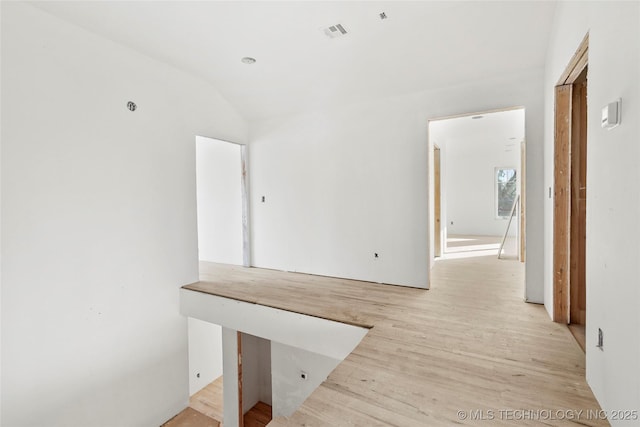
(221,197)
(477,187)
(222,202)
(570,195)
(254,381)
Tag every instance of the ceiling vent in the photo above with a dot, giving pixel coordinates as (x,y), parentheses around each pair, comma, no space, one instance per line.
(334,31)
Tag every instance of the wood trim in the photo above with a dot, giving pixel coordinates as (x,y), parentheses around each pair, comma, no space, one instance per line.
(437,226)
(579,69)
(523,198)
(562,203)
(577,280)
(244,188)
(577,63)
(562,218)
(240,379)
(430,238)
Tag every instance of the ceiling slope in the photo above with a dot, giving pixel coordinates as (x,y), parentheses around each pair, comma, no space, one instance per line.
(420,46)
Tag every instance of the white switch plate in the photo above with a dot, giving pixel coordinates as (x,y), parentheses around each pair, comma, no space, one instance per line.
(611,115)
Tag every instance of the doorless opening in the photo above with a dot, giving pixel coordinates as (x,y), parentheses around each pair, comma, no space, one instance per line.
(476,178)
(222,238)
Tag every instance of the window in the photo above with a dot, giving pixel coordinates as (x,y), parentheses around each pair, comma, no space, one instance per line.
(506,191)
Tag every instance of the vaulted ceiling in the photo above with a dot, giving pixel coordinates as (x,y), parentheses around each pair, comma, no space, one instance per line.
(419,46)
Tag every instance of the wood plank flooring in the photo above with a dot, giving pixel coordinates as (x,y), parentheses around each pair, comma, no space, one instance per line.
(209,400)
(468,344)
(258,416)
(579,333)
(206,406)
(191,418)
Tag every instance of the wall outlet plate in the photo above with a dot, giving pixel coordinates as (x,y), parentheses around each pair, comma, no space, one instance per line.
(611,114)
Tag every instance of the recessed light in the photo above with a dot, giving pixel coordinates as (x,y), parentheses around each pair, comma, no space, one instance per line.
(248,60)
(477,117)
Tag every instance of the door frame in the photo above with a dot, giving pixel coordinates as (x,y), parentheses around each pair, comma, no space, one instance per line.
(563,124)
(240,379)
(523,200)
(437,206)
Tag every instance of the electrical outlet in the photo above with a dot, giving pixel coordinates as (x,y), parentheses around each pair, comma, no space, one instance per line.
(304,376)
(376,255)
(198,375)
(263,199)
(600,339)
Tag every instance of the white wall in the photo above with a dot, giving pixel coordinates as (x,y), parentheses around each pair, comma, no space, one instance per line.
(218,174)
(230,390)
(344,183)
(471,206)
(290,390)
(256,371)
(470,151)
(613,201)
(205,354)
(98,224)
(294,329)
(1,104)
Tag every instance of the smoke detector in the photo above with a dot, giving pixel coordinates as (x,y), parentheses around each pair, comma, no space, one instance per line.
(334,31)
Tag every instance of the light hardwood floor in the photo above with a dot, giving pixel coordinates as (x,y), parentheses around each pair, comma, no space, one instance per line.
(189,417)
(206,409)
(468,344)
(579,333)
(209,400)
(258,416)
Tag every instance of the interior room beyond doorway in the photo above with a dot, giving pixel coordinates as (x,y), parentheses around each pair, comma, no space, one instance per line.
(471,246)
(478,186)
